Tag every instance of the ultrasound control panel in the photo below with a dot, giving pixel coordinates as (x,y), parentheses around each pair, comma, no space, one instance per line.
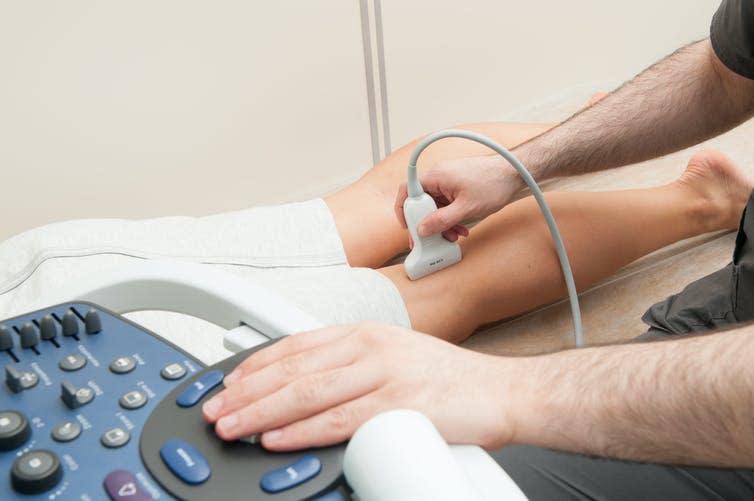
(94,407)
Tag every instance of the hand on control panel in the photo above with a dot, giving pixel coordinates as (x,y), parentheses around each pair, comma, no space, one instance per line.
(317,388)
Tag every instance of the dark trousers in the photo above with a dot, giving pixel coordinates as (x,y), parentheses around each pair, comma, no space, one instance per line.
(723,298)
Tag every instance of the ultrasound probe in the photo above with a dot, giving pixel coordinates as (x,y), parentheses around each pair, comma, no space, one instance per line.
(434,253)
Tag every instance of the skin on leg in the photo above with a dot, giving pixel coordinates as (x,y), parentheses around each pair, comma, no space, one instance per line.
(367,225)
(510,265)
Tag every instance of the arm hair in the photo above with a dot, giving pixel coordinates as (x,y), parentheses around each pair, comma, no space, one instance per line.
(688,401)
(680,101)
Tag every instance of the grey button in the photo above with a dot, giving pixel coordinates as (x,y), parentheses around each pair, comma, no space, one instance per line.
(28,380)
(6,340)
(72,362)
(117,437)
(36,471)
(75,397)
(14,430)
(84,395)
(123,365)
(48,328)
(35,463)
(65,432)
(9,421)
(19,381)
(70,324)
(92,322)
(133,400)
(173,371)
(29,335)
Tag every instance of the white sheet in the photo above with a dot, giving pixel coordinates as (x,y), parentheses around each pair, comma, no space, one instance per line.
(293,249)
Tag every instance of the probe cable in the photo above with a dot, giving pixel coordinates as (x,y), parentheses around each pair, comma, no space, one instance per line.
(415,189)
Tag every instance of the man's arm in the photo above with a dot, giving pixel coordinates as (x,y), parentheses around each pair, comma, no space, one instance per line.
(685,98)
(689,401)
(686,401)
(682,100)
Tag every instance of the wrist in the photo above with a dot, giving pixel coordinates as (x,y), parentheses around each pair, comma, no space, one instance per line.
(514,398)
(502,181)
(515,182)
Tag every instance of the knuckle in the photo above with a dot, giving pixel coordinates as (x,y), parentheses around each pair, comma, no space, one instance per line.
(369,331)
(442,218)
(339,419)
(291,366)
(278,349)
(290,343)
(309,390)
(330,379)
(244,390)
(355,329)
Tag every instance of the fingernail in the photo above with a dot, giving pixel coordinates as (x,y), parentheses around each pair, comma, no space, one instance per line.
(212,407)
(423,230)
(227,424)
(232,377)
(272,436)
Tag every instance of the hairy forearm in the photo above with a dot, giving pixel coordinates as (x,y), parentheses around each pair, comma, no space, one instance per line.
(687,401)
(686,98)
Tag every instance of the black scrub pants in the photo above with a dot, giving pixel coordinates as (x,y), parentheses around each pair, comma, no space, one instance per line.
(721,299)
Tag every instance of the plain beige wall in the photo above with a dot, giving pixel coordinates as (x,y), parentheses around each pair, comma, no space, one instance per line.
(148,108)
(154,107)
(451,61)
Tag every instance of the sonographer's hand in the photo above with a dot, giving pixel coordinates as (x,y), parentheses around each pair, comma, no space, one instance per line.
(317,388)
(465,189)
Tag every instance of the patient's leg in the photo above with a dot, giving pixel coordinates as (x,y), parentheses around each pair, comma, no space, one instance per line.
(363,211)
(367,225)
(510,266)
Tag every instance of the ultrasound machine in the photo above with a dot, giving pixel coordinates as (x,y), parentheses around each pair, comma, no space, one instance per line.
(94,406)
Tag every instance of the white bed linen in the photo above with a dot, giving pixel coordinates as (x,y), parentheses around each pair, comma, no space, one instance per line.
(293,249)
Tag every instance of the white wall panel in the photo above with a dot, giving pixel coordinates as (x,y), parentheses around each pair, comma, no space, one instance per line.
(450,62)
(145,108)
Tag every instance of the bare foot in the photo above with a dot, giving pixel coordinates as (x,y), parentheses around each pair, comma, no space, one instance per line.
(723,188)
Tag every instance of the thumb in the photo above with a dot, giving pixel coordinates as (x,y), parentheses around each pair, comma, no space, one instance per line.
(442,219)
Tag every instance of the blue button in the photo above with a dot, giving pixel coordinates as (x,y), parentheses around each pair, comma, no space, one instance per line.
(196,390)
(185,461)
(292,475)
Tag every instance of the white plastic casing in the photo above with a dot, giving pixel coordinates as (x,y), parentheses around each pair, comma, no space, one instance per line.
(430,254)
(400,455)
(253,314)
